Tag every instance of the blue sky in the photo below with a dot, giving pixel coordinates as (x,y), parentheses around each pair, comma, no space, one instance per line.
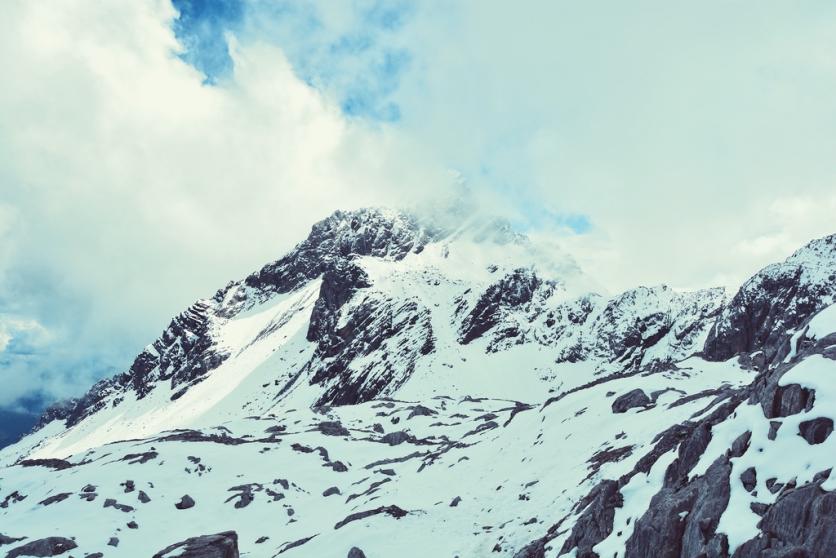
(150,151)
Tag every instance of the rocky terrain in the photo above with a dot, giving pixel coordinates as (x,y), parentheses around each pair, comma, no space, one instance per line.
(395,386)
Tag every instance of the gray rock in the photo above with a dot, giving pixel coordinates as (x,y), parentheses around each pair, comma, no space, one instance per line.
(817,430)
(330,491)
(221,545)
(630,400)
(332,428)
(356,553)
(50,546)
(395,438)
(185,502)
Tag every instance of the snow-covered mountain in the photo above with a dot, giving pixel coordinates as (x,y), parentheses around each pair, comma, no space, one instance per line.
(397,386)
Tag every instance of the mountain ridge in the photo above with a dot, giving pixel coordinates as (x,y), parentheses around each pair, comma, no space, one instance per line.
(403,357)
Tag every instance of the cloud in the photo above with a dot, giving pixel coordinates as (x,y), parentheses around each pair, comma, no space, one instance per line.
(131,188)
(145,160)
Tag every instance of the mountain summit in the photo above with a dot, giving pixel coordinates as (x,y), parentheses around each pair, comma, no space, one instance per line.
(400,385)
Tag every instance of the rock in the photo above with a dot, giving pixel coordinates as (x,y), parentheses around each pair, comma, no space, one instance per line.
(114,541)
(4,539)
(55,498)
(331,491)
(749,479)
(221,545)
(420,411)
(133,525)
(143,497)
(630,400)
(50,546)
(111,503)
(185,502)
(395,438)
(455,501)
(801,523)
(332,428)
(355,553)
(88,488)
(817,430)
(394,511)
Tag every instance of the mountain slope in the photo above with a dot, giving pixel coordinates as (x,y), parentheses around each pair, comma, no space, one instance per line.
(408,388)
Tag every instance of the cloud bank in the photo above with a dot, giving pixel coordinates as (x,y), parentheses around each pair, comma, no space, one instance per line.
(150,152)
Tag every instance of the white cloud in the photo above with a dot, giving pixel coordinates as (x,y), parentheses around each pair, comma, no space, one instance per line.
(129,188)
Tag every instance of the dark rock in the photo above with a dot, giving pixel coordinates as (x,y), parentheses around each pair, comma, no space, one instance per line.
(355,553)
(515,289)
(455,501)
(393,511)
(779,298)
(378,428)
(221,545)
(133,525)
(420,411)
(143,497)
(595,523)
(128,485)
(396,438)
(88,488)
(332,428)
(801,523)
(4,539)
(295,544)
(56,464)
(817,430)
(50,546)
(749,479)
(55,498)
(330,491)
(774,425)
(114,541)
(185,502)
(630,400)
(111,503)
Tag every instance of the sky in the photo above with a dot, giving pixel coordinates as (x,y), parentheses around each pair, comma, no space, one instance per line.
(152,151)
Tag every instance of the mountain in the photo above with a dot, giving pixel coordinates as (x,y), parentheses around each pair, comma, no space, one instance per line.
(404,385)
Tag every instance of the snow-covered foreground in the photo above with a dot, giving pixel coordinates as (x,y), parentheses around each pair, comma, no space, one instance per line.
(473,476)
(395,388)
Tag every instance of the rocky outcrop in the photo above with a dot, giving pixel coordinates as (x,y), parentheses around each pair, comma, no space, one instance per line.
(221,545)
(514,290)
(775,302)
(50,546)
(630,400)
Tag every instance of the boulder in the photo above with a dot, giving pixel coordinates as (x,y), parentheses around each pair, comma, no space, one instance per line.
(220,545)
(630,400)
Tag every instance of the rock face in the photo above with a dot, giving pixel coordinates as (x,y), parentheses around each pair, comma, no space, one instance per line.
(221,545)
(776,301)
(630,400)
(50,546)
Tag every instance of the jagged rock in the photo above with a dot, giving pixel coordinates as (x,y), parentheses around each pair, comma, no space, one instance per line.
(143,497)
(395,438)
(185,502)
(50,546)
(749,479)
(630,400)
(355,553)
(4,539)
(816,431)
(775,300)
(114,542)
(802,522)
(331,428)
(393,511)
(221,545)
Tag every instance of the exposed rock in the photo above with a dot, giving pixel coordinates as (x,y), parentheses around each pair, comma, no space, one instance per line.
(630,400)
(396,438)
(356,553)
(331,491)
(393,511)
(817,430)
(331,428)
(185,502)
(50,546)
(221,545)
